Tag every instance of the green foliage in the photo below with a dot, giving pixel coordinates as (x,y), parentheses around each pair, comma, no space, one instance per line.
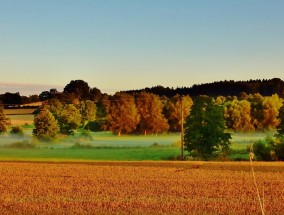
(88,111)
(69,119)
(205,135)
(79,88)
(256,101)
(280,127)
(46,126)
(87,134)
(262,150)
(82,146)
(55,107)
(94,125)
(86,152)
(279,151)
(17,130)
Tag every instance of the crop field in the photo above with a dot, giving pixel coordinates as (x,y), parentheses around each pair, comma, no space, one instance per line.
(25,111)
(21,119)
(140,188)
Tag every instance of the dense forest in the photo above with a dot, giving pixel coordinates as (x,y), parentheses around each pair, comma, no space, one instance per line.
(222,88)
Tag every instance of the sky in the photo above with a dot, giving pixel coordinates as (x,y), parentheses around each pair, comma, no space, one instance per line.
(132,44)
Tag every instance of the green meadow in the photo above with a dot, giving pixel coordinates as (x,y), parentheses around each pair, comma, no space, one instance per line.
(104,145)
(107,146)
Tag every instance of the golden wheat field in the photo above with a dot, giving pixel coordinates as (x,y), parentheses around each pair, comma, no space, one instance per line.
(139,188)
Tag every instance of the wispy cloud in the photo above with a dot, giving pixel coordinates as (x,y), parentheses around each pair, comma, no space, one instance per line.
(26,89)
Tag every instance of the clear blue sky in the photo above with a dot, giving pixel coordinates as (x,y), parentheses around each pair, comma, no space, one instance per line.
(129,44)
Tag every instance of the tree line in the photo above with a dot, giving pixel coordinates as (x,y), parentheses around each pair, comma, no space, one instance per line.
(222,88)
(208,120)
(143,112)
(265,87)
(147,113)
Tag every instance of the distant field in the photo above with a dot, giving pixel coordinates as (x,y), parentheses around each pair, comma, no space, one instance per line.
(19,111)
(140,188)
(20,116)
(21,119)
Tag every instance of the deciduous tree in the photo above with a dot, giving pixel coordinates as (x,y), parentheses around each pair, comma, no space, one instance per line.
(79,88)
(205,131)
(88,111)
(280,127)
(150,109)
(271,106)
(256,110)
(122,113)
(46,126)
(4,121)
(174,113)
(69,119)
(238,115)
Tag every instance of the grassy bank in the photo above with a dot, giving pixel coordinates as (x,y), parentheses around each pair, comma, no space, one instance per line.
(119,154)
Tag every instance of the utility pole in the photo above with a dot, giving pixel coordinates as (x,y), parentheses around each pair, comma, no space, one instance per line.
(181,130)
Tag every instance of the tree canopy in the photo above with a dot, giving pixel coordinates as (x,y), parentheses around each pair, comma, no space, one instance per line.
(4,121)
(152,118)
(122,113)
(205,131)
(46,126)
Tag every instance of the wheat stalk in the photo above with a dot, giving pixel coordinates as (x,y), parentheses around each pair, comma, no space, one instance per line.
(261,203)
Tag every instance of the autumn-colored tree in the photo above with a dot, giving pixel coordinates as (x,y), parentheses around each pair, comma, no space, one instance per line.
(5,122)
(69,119)
(88,111)
(174,113)
(46,126)
(238,115)
(256,110)
(220,100)
(150,109)
(122,113)
(55,107)
(280,127)
(271,106)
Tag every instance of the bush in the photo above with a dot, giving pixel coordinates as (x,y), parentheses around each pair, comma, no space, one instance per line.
(21,145)
(262,150)
(82,146)
(94,126)
(279,151)
(87,134)
(17,130)
(155,145)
